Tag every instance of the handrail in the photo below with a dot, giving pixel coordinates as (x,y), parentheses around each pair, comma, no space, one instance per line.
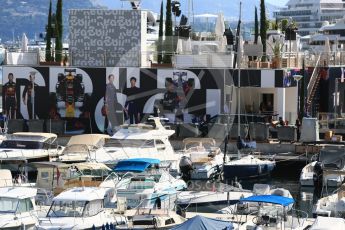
(313,78)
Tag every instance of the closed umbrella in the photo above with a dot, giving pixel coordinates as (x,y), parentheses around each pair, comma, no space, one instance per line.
(187,46)
(259,40)
(224,43)
(220,26)
(24,43)
(179,47)
(270,45)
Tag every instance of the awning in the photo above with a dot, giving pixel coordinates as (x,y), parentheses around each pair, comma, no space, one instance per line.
(135,164)
(273,199)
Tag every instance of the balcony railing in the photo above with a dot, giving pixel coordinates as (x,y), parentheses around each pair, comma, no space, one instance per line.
(185,60)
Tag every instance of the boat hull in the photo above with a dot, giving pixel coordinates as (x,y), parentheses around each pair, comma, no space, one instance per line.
(247,171)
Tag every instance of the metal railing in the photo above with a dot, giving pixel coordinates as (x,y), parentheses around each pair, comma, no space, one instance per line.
(313,79)
(211,59)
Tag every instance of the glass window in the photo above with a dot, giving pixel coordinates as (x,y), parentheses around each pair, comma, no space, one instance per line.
(93,207)
(15,144)
(8,204)
(25,205)
(66,209)
(129,143)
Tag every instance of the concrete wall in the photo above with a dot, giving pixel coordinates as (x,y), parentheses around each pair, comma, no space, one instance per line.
(107,37)
(291,104)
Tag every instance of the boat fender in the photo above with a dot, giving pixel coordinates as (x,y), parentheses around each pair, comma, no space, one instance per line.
(259,169)
(154,220)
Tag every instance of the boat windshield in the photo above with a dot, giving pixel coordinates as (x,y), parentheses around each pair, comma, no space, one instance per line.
(11,144)
(129,143)
(8,204)
(66,209)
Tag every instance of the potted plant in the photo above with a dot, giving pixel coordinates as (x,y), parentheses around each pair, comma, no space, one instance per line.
(277,47)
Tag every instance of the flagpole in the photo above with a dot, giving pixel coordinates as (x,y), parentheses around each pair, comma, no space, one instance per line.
(238,49)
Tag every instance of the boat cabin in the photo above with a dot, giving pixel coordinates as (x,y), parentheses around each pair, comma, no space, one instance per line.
(17,200)
(80,202)
(57,177)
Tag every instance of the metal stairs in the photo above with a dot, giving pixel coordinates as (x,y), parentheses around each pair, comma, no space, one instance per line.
(313,87)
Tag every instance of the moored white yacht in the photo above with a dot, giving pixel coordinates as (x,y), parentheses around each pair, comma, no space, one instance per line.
(202,159)
(153,219)
(28,147)
(329,160)
(81,208)
(149,186)
(17,208)
(139,141)
(331,206)
(55,177)
(271,214)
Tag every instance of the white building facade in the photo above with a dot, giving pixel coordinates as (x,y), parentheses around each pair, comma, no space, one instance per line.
(310,14)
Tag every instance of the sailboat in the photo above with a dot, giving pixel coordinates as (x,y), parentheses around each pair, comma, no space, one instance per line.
(247,166)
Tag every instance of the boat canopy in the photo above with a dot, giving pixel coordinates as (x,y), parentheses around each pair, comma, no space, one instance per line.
(332,158)
(88,139)
(200,222)
(322,222)
(18,192)
(135,164)
(272,199)
(82,194)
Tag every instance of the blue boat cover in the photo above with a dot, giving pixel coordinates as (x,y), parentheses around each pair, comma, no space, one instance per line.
(273,199)
(135,164)
(204,223)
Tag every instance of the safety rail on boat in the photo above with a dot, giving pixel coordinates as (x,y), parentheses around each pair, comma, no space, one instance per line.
(139,206)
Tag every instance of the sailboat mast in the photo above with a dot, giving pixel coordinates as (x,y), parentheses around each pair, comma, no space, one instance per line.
(239,80)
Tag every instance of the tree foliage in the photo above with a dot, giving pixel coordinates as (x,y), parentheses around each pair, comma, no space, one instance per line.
(168,42)
(263,27)
(49,34)
(256,25)
(160,35)
(58,31)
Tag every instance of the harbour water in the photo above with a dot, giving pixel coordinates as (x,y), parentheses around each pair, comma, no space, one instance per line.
(281,178)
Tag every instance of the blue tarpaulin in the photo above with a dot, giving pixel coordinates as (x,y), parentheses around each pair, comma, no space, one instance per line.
(272,199)
(204,223)
(135,164)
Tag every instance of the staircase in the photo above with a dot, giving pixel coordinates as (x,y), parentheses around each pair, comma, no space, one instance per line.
(313,87)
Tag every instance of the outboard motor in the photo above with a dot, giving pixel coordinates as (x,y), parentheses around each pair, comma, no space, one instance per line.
(186,167)
(318,178)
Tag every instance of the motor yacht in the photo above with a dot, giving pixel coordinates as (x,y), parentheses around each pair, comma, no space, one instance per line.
(28,147)
(271,214)
(55,177)
(202,159)
(82,208)
(332,205)
(140,141)
(149,186)
(17,208)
